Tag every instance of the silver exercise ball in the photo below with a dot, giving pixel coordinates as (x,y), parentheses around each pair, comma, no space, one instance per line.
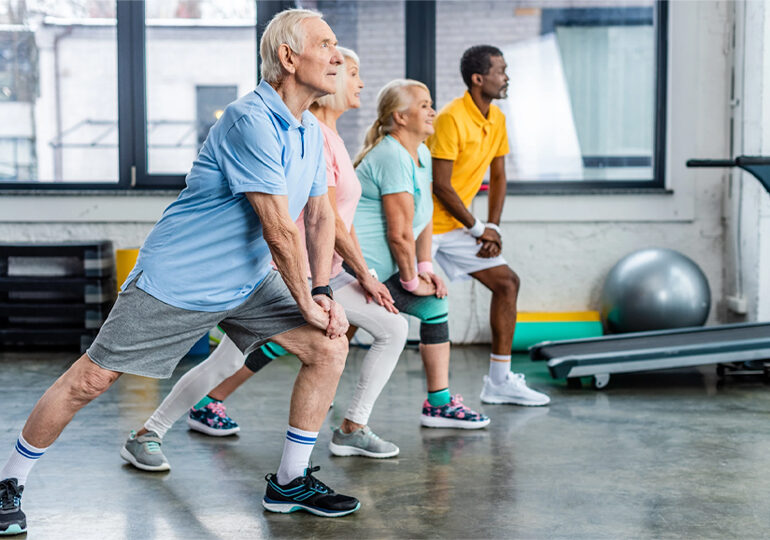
(654,289)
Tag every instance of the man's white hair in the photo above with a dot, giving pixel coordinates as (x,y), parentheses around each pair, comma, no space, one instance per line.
(339,99)
(285,27)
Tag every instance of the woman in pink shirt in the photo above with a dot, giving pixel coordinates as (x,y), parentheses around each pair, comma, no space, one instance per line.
(355,293)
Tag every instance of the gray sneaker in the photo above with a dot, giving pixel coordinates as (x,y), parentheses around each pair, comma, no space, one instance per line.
(362,442)
(144,452)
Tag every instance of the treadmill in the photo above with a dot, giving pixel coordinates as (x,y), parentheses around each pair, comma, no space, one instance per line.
(731,344)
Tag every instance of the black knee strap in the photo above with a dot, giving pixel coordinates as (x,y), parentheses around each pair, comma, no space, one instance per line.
(433,334)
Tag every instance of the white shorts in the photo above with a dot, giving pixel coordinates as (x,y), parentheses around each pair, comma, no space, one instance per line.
(456,252)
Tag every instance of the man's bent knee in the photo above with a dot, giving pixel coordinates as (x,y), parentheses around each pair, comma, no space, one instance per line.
(88,381)
(507,285)
(329,352)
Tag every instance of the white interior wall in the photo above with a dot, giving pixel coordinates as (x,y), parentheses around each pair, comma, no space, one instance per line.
(561,245)
(747,239)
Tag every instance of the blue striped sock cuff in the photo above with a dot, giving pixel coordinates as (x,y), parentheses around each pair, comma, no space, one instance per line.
(23,448)
(301,437)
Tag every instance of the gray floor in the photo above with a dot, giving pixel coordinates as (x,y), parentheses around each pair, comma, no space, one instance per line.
(669,455)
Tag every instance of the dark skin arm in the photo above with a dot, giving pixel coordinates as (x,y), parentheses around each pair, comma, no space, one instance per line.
(491,243)
(444,192)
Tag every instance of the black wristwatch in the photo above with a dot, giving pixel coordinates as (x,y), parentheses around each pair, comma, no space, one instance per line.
(324,289)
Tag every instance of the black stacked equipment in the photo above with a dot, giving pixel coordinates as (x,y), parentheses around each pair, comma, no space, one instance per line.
(55,295)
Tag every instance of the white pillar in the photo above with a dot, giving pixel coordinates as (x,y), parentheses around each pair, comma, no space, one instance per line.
(748,218)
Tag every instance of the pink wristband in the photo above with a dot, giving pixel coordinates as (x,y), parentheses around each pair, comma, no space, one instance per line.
(410,285)
(425,266)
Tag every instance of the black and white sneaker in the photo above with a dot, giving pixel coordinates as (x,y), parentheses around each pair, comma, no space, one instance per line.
(309,494)
(12,519)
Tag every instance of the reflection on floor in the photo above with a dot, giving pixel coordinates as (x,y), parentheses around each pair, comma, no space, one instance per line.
(655,455)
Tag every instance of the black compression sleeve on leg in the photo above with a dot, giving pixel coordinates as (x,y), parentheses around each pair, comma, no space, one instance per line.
(432,334)
(260,358)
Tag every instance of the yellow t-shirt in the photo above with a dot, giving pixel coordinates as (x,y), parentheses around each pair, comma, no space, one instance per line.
(464,136)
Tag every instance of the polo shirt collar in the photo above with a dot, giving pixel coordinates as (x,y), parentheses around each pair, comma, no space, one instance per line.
(474,111)
(280,110)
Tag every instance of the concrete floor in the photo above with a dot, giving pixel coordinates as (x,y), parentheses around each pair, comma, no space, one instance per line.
(666,455)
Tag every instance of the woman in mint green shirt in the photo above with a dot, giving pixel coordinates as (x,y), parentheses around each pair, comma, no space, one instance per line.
(393,222)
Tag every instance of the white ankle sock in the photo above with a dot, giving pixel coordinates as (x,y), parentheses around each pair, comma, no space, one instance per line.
(296,454)
(499,367)
(22,460)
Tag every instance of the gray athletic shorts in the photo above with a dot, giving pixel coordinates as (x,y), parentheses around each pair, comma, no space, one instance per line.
(147,337)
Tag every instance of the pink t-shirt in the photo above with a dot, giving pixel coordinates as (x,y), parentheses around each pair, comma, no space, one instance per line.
(341,175)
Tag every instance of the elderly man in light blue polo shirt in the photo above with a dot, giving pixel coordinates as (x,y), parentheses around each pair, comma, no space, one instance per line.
(207,262)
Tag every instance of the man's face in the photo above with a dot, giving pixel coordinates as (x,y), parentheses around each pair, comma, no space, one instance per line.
(495,83)
(318,61)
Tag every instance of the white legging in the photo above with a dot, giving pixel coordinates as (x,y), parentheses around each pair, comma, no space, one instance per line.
(389,331)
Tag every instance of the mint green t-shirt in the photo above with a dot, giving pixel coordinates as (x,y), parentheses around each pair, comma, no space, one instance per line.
(388,168)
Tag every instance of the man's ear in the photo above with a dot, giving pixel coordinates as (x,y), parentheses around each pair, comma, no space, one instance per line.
(477,79)
(287,58)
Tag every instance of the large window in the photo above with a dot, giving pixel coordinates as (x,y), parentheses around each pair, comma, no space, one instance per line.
(110,94)
(200,56)
(584,106)
(117,94)
(58,91)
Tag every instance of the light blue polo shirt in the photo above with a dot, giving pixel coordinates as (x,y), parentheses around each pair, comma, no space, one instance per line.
(388,168)
(207,252)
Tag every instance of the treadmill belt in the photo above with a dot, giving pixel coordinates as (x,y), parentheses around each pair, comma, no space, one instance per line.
(648,340)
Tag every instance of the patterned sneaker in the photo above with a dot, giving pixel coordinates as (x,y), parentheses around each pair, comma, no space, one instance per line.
(309,494)
(212,420)
(452,415)
(513,391)
(361,442)
(12,519)
(143,452)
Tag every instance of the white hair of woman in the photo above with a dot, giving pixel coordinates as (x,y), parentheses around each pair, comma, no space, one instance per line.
(338,100)
(284,28)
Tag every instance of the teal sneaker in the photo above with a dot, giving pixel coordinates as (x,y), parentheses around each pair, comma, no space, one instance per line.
(12,519)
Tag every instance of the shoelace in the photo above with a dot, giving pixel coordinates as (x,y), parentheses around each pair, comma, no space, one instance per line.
(218,408)
(457,403)
(9,497)
(152,447)
(311,482)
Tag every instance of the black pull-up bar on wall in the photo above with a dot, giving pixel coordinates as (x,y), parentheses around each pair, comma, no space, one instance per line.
(758,166)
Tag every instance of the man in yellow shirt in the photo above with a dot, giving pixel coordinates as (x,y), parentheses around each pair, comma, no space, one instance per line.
(470,138)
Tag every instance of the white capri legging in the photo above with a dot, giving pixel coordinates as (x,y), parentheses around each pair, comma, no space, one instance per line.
(389,331)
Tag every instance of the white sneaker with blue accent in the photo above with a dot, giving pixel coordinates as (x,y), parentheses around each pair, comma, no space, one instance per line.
(512,391)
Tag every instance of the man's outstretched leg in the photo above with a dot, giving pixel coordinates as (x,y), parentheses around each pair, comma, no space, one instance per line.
(294,487)
(77,387)
(500,385)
